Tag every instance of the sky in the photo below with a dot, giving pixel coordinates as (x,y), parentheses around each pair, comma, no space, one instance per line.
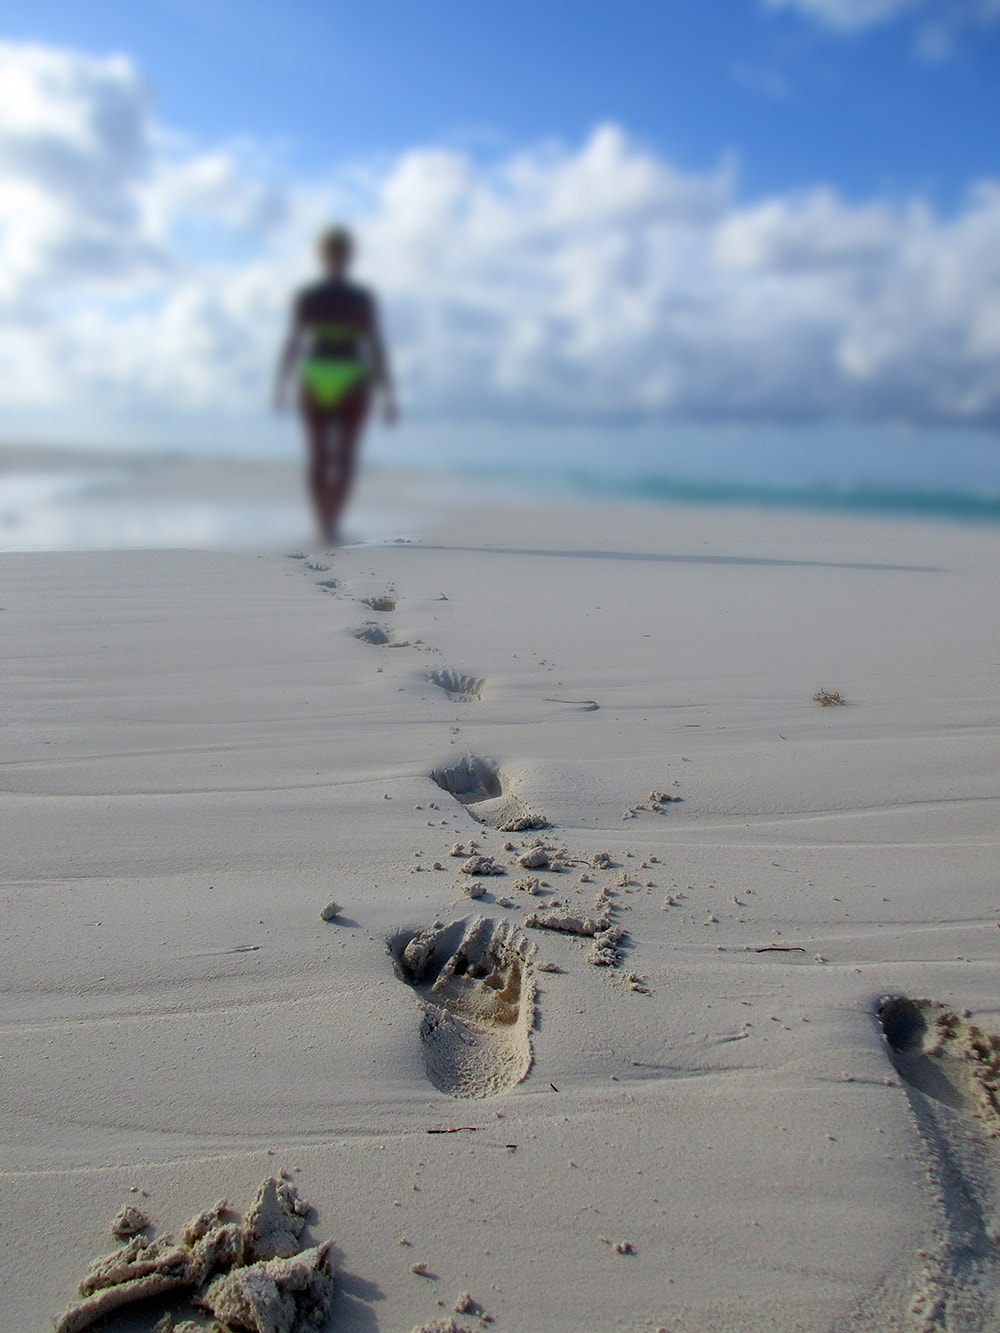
(743,215)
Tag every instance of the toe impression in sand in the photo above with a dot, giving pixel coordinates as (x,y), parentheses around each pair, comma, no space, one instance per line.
(478,1001)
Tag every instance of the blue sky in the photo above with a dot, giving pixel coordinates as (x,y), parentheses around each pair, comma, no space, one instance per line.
(797,100)
(768,214)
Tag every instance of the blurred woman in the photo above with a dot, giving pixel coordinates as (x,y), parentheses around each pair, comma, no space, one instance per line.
(335,350)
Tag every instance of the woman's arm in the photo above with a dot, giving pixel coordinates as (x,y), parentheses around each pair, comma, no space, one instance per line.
(381,371)
(287,360)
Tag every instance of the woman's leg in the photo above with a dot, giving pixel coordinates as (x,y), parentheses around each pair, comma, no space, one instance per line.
(349,421)
(316,424)
(333,436)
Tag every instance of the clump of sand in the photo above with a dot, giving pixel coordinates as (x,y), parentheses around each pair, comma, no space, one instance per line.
(129,1222)
(292,1295)
(557,918)
(251,1275)
(531,886)
(448,1325)
(480,865)
(276,1220)
(535,858)
(656,800)
(167,1325)
(605,950)
(521,823)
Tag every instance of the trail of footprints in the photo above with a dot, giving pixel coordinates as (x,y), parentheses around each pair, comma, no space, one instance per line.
(459,686)
(474,979)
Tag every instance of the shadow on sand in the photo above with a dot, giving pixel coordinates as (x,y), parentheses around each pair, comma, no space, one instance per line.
(656,558)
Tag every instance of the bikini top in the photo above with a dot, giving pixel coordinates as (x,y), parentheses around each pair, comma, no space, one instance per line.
(337,318)
(335,340)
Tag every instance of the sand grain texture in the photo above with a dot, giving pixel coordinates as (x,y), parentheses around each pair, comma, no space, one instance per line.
(199,755)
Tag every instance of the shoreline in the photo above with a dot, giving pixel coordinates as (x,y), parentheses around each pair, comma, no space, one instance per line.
(66,499)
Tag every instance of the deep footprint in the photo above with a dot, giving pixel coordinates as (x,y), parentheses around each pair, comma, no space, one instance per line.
(944,1056)
(384,603)
(480,786)
(379,636)
(478,1000)
(953,1068)
(457,685)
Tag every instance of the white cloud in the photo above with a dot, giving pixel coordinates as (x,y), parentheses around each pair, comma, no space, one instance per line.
(75,140)
(848,15)
(149,279)
(938,22)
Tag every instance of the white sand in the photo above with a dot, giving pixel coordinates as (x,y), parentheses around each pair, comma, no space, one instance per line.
(199,755)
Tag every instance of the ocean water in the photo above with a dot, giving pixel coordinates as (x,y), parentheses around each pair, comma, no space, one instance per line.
(948,474)
(210,495)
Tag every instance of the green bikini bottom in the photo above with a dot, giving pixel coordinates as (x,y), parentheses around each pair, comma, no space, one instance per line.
(329,382)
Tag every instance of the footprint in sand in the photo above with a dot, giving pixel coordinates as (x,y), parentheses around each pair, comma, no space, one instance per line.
(456,684)
(944,1056)
(479,785)
(386,602)
(478,1000)
(380,636)
(953,1068)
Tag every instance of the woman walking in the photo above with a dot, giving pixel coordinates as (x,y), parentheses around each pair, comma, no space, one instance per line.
(335,346)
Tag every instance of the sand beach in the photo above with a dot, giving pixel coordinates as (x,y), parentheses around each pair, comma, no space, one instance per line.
(616,1063)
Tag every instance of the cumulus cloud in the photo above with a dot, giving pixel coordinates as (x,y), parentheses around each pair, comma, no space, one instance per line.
(939,23)
(74,141)
(603,281)
(150,278)
(848,15)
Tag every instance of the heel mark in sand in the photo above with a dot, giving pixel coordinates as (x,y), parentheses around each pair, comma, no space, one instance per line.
(458,686)
(478,999)
(385,602)
(479,785)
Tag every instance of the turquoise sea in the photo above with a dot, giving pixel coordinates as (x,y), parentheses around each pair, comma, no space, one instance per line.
(245,491)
